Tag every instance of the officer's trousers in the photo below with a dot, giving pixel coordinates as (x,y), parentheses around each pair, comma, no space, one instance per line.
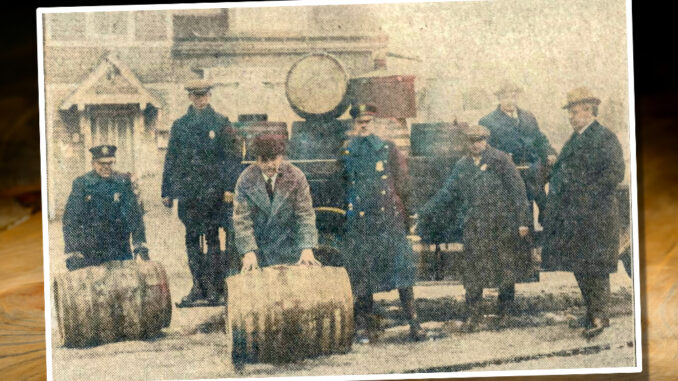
(208,267)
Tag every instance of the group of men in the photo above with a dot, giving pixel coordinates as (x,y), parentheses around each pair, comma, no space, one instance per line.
(267,212)
(489,200)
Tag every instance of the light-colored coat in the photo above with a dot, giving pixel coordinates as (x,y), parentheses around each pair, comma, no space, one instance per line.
(277,231)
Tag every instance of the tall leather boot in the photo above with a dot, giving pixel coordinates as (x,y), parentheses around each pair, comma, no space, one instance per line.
(417,333)
(214,275)
(195,265)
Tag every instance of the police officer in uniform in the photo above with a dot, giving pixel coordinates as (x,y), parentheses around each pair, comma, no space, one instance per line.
(101,214)
(202,165)
(376,251)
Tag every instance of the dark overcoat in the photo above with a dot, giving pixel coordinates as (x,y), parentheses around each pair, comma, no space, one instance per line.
(276,230)
(203,161)
(100,216)
(524,141)
(375,249)
(489,204)
(581,219)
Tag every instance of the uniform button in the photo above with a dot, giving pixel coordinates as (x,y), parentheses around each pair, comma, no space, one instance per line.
(357,198)
(353,182)
(382,209)
(362,214)
(350,206)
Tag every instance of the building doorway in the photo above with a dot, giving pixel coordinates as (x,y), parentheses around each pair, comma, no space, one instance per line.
(114,125)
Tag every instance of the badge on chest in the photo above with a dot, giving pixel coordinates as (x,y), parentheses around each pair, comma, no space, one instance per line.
(380,166)
(212,134)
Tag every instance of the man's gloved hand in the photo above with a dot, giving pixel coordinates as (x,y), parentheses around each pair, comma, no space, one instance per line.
(141,251)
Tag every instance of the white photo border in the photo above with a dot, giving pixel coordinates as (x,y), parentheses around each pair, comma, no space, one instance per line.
(40,12)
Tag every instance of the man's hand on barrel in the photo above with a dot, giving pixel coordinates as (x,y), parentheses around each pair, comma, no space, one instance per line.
(228,197)
(141,251)
(167,201)
(307,258)
(249,262)
(75,260)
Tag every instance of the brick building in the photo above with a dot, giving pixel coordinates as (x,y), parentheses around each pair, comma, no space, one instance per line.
(117,77)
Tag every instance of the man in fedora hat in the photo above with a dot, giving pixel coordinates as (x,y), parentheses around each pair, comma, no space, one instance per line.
(515,131)
(581,221)
(487,197)
(273,214)
(202,164)
(377,254)
(102,213)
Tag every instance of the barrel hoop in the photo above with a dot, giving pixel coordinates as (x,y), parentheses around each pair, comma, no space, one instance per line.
(166,296)
(146,321)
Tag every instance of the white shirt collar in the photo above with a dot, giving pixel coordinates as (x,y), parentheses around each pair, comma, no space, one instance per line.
(584,129)
(273,178)
(513,115)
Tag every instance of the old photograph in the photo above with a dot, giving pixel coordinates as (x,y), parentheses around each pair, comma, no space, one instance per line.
(366,191)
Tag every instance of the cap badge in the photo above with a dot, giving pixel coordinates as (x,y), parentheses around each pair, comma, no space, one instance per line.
(104,150)
(380,166)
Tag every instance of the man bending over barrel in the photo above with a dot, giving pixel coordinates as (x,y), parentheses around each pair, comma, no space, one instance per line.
(273,214)
(101,213)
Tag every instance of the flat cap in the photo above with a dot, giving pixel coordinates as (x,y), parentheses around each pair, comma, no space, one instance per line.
(103,152)
(508,87)
(581,95)
(198,86)
(268,145)
(363,109)
(476,131)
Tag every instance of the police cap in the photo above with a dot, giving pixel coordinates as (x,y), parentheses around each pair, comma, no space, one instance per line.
(363,109)
(198,87)
(103,152)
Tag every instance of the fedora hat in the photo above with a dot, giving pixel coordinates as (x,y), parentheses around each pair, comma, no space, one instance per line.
(581,95)
(508,87)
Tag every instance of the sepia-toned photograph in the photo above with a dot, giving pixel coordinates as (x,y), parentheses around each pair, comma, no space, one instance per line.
(366,191)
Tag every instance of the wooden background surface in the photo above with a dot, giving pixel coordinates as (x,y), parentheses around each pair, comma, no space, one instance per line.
(22,347)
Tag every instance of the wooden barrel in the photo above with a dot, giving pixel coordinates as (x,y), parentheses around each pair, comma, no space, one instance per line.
(120,300)
(317,86)
(282,314)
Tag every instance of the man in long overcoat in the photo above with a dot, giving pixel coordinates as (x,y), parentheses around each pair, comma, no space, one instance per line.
(377,254)
(581,221)
(515,131)
(487,196)
(102,213)
(202,164)
(273,214)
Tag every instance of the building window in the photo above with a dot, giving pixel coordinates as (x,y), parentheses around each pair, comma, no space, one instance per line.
(205,23)
(66,26)
(109,24)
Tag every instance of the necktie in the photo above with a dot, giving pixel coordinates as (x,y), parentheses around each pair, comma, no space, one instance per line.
(269,188)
